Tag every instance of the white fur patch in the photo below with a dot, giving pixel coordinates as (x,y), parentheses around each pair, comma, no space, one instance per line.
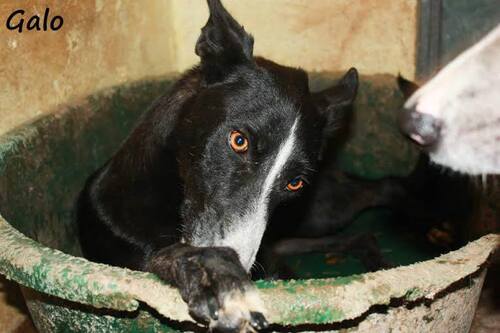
(236,310)
(247,232)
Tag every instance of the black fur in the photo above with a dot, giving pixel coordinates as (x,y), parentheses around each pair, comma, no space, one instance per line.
(176,180)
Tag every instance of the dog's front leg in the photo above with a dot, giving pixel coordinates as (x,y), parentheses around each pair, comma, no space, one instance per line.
(213,283)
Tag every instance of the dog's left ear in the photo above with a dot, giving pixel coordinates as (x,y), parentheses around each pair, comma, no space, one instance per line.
(223,44)
(407,87)
(334,102)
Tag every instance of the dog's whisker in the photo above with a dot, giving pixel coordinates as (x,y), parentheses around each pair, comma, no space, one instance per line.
(311,169)
(167,237)
(258,265)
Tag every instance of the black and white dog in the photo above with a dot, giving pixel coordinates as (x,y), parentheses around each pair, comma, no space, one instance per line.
(189,194)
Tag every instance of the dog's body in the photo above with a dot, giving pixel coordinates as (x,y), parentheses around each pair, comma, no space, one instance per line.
(456,115)
(189,194)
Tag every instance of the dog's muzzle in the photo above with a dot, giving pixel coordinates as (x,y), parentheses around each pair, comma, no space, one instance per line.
(421,128)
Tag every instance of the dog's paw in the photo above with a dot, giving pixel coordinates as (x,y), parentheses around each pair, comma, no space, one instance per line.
(214,284)
(240,312)
(226,305)
(219,291)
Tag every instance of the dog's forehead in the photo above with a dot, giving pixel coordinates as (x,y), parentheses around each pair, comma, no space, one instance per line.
(270,95)
(264,109)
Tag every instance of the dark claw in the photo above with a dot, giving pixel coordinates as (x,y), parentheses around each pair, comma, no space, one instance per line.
(213,308)
(203,309)
(258,321)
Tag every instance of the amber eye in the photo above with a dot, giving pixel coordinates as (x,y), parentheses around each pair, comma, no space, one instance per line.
(238,142)
(295,184)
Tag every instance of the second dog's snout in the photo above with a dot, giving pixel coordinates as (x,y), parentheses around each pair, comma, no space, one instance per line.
(422,128)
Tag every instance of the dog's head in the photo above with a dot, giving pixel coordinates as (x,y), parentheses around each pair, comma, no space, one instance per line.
(249,138)
(456,115)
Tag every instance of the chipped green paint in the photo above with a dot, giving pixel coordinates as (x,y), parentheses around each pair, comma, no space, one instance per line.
(44,164)
(343,280)
(60,316)
(315,315)
(295,284)
(413,294)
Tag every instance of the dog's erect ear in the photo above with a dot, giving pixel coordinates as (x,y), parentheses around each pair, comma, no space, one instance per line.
(334,102)
(223,44)
(407,87)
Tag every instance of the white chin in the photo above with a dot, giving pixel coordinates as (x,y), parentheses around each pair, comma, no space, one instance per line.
(470,164)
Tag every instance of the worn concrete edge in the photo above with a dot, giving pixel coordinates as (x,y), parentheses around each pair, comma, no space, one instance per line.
(288,302)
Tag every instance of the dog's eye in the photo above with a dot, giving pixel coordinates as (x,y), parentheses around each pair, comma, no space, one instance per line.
(295,184)
(238,142)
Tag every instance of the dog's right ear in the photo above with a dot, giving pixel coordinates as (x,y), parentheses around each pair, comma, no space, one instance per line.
(407,87)
(334,103)
(223,44)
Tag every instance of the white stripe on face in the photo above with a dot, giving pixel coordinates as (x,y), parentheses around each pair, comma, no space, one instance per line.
(247,230)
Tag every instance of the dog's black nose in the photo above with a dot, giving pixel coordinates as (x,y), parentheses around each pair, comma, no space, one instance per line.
(422,128)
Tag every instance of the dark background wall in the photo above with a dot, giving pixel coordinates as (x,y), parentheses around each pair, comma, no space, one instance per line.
(447,27)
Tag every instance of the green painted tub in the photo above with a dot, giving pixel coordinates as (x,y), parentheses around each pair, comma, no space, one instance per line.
(44,164)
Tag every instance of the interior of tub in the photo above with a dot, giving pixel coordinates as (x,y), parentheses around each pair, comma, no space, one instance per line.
(45,164)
